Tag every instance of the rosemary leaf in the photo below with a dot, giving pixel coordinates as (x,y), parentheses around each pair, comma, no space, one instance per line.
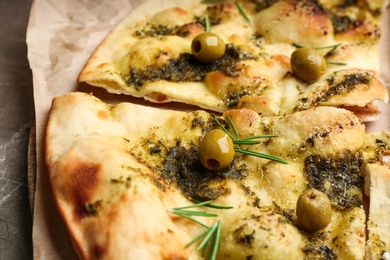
(224,129)
(234,128)
(243,12)
(194,220)
(198,204)
(208,204)
(216,240)
(333,47)
(197,238)
(205,241)
(260,155)
(194,213)
(245,142)
(207,23)
(336,63)
(260,136)
(205,248)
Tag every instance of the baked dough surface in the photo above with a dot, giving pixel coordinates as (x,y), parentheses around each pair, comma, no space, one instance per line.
(135,57)
(114,188)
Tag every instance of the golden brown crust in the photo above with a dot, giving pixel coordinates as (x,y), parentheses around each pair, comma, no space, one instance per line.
(262,105)
(296,22)
(90,172)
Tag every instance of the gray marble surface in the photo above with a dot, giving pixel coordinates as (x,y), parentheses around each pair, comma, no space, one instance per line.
(16,115)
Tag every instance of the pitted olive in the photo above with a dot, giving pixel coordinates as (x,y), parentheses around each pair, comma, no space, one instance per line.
(308,64)
(216,150)
(314,210)
(208,47)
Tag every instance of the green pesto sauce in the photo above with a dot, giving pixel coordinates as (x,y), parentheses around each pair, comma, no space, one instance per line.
(348,84)
(186,68)
(335,176)
(182,166)
(156,30)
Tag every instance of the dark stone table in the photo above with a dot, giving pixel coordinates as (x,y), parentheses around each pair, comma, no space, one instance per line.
(17,116)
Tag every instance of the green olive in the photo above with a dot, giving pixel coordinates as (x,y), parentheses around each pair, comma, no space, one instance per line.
(314,210)
(216,150)
(207,47)
(307,64)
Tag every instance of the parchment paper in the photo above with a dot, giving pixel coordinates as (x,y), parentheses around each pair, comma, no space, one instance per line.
(61,36)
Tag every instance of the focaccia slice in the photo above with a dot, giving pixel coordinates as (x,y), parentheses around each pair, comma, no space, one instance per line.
(377,155)
(117,170)
(149,56)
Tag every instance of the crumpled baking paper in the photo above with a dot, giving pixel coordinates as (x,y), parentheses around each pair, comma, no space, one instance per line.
(61,36)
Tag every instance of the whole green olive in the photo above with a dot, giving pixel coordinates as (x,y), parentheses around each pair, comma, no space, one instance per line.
(208,47)
(307,64)
(314,210)
(216,150)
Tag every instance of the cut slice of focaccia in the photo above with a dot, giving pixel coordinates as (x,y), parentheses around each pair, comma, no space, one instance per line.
(119,171)
(149,55)
(377,187)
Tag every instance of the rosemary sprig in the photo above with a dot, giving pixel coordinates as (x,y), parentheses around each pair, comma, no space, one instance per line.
(211,236)
(243,12)
(248,141)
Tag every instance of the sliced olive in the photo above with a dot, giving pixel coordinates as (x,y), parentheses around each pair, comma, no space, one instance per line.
(307,64)
(314,210)
(216,150)
(208,47)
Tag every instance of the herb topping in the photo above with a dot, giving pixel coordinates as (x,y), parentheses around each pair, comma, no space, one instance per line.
(186,68)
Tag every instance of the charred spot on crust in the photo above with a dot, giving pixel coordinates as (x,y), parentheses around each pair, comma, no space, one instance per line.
(83,180)
(99,251)
(186,68)
(337,177)
(182,166)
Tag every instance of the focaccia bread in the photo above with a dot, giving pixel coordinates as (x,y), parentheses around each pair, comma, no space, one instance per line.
(117,171)
(148,55)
